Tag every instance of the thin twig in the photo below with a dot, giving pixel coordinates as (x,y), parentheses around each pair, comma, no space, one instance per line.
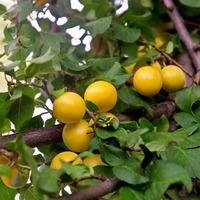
(13,156)
(91,114)
(183,32)
(170,59)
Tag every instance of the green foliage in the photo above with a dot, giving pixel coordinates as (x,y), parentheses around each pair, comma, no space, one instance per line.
(151,161)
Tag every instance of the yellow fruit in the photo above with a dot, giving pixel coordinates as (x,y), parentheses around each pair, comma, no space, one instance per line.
(173,78)
(17,179)
(103,94)
(69,108)
(94,160)
(147,81)
(141,51)
(130,68)
(39,3)
(66,156)
(156,65)
(160,41)
(77,136)
(4,160)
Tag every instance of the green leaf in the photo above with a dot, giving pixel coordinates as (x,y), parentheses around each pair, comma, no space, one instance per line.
(2,9)
(5,170)
(191,3)
(21,111)
(39,69)
(187,158)
(128,175)
(44,58)
(126,34)
(162,175)
(129,193)
(162,123)
(184,119)
(91,106)
(187,97)
(99,26)
(112,155)
(7,193)
(6,126)
(115,75)
(76,171)
(130,97)
(125,138)
(147,3)
(48,180)
(24,9)
(170,47)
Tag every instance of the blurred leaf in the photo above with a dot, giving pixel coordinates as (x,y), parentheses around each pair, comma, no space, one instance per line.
(130,97)
(44,58)
(128,175)
(6,126)
(191,3)
(170,47)
(115,75)
(2,9)
(24,9)
(129,193)
(126,34)
(5,170)
(48,181)
(162,175)
(7,193)
(99,26)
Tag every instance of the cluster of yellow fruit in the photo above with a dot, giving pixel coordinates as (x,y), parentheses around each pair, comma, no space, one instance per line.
(148,80)
(70,109)
(18,178)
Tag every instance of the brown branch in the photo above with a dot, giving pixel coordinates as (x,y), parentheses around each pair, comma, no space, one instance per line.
(183,32)
(94,192)
(37,137)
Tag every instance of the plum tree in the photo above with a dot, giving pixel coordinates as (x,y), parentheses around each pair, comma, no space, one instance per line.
(103,99)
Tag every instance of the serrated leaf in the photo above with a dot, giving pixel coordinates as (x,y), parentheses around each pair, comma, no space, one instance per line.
(128,175)
(130,97)
(162,175)
(99,26)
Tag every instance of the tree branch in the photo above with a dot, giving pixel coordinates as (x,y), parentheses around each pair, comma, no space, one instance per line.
(37,137)
(183,32)
(94,192)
